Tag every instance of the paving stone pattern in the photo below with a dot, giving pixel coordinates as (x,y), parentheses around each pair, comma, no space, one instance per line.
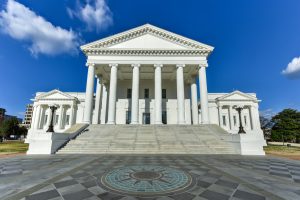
(83,184)
(215,177)
(26,165)
(281,168)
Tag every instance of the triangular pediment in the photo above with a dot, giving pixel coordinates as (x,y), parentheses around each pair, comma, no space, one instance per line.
(147,37)
(148,41)
(55,94)
(237,96)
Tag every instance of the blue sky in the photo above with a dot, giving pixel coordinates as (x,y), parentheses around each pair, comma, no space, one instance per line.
(257,44)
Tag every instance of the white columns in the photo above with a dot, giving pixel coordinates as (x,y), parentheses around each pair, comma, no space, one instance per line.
(231,117)
(112,94)
(158,91)
(180,95)
(89,95)
(203,95)
(37,117)
(135,94)
(194,100)
(61,117)
(96,119)
(72,116)
(255,117)
(104,104)
(220,115)
(50,116)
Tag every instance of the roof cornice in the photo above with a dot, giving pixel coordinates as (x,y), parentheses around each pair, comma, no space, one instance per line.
(146,52)
(102,44)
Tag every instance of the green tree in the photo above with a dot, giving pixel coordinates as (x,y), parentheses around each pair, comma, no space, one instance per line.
(9,127)
(286,126)
(22,131)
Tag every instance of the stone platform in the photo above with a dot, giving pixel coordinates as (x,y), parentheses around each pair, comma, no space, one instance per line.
(151,139)
(179,177)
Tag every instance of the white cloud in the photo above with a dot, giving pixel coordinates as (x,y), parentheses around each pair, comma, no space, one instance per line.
(96,16)
(293,69)
(21,23)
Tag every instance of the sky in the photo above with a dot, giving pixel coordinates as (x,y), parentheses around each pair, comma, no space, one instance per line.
(257,44)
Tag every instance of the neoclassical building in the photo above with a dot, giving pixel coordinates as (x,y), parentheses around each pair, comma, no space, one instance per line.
(146,76)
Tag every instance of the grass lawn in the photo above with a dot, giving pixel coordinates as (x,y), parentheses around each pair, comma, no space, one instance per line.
(12,147)
(283,151)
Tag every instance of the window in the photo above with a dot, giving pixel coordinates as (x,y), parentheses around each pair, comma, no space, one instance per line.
(224,120)
(245,120)
(56,120)
(128,117)
(234,120)
(146,93)
(67,119)
(164,93)
(129,93)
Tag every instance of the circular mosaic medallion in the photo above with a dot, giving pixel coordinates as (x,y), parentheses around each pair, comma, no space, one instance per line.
(146,180)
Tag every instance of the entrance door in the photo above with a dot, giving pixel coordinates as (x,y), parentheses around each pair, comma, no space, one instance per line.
(146,118)
(128,117)
(164,117)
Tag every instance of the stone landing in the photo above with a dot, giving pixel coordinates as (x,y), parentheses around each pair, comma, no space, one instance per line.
(151,139)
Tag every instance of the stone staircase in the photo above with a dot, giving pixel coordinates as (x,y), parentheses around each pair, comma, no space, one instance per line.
(150,139)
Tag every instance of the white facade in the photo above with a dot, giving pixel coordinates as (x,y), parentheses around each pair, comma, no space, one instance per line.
(146,75)
(70,108)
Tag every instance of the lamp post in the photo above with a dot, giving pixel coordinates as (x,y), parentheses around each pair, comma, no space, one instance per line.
(52,108)
(239,110)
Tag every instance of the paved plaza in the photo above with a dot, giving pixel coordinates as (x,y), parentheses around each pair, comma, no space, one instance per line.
(149,177)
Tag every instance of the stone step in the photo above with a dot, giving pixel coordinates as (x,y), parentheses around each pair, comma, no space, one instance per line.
(136,139)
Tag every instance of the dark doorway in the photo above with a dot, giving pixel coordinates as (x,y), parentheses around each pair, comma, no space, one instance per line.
(164,117)
(146,118)
(128,117)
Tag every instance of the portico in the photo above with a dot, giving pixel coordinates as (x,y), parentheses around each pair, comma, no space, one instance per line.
(180,75)
(147,57)
(64,116)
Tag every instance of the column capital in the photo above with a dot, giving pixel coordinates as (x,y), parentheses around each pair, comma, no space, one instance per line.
(88,64)
(253,106)
(135,65)
(158,65)
(180,65)
(113,65)
(202,65)
(220,104)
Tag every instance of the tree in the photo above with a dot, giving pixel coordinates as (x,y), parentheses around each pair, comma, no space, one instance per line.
(9,127)
(286,126)
(22,131)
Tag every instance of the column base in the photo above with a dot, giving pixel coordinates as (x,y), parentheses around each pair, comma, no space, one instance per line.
(87,122)
(205,122)
(181,123)
(111,123)
(158,123)
(134,123)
